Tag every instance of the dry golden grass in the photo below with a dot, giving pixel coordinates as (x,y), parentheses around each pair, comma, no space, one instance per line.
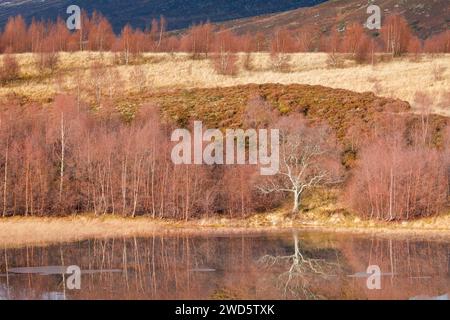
(400,78)
(20,231)
(41,230)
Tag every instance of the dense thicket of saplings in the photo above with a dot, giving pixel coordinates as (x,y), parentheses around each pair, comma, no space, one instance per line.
(67,158)
(206,40)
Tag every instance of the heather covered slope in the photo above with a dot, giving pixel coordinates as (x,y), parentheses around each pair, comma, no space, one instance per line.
(224,107)
(351,115)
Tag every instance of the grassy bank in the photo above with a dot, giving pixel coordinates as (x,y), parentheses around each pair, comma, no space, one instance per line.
(400,78)
(21,231)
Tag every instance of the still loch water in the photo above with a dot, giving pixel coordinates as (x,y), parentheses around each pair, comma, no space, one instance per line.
(286,265)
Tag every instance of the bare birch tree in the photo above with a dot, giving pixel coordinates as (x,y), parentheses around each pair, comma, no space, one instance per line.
(309,157)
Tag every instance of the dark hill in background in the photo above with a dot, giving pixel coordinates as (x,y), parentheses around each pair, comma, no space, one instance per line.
(179,13)
(426,17)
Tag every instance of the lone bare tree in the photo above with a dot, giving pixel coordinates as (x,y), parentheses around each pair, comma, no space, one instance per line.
(309,157)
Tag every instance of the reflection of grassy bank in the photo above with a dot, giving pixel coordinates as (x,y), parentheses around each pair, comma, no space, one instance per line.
(23,231)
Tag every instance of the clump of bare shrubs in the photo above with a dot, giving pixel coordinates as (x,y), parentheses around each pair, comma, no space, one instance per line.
(364,52)
(400,174)
(138,77)
(247,63)
(9,69)
(335,60)
(46,61)
(280,62)
(438,72)
(259,113)
(224,53)
(46,56)
(225,63)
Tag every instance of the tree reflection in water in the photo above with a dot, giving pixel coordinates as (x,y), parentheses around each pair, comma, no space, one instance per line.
(303,272)
(303,265)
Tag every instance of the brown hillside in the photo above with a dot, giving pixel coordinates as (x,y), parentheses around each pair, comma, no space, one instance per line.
(348,113)
(224,107)
(426,17)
